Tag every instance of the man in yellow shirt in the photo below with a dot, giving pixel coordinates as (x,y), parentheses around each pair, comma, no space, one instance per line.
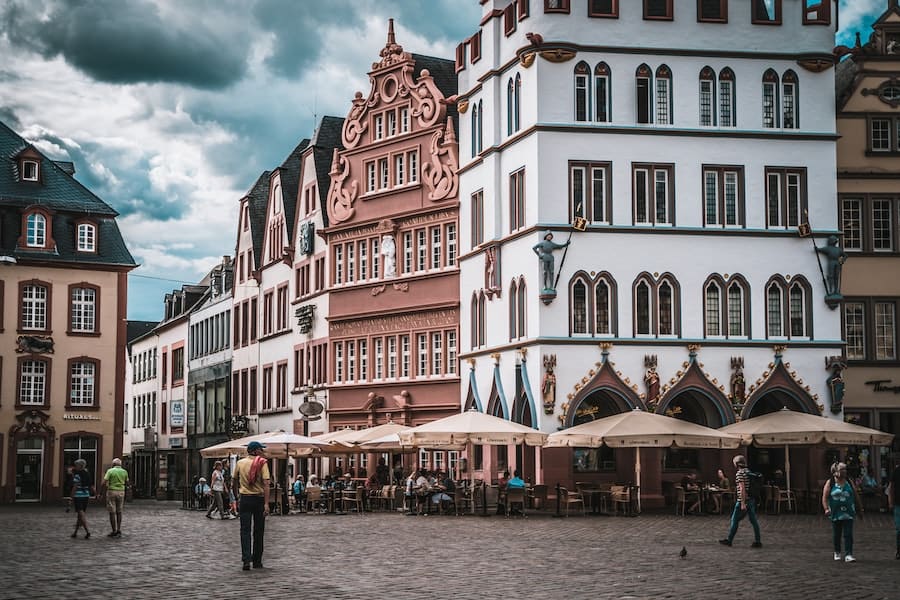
(251,483)
(114,482)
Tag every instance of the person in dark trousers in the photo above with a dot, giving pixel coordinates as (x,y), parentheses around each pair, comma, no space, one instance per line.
(839,502)
(82,492)
(745,504)
(251,482)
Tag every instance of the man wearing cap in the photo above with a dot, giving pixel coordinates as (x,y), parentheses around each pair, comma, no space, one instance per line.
(251,482)
(114,482)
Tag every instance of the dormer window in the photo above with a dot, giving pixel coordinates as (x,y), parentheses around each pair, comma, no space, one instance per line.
(30,170)
(36,230)
(87,237)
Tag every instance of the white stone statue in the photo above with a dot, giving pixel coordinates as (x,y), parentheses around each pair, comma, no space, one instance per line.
(388,250)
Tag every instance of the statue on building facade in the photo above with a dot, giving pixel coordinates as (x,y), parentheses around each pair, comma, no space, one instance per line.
(548,384)
(835,382)
(388,250)
(834,260)
(652,381)
(738,382)
(544,251)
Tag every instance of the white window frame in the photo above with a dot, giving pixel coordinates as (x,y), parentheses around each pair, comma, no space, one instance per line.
(34,307)
(84,310)
(87,237)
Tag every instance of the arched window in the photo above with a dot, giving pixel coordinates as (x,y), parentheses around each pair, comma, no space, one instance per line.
(737,317)
(790,117)
(707,97)
(643,81)
(582,92)
(798,313)
(579,306)
(642,307)
(482,311)
(474,323)
(36,230)
(480,125)
(713,309)
(475,116)
(513,306)
(604,296)
(510,105)
(663,95)
(665,295)
(602,93)
(774,310)
(727,102)
(520,308)
(770,99)
(517,104)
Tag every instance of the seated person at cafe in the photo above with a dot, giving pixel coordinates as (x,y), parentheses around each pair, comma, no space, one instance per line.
(348,482)
(501,493)
(724,485)
(691,490)
(410,491)
(779,480)
(442,491)
(298,489)
(422,490)
(516,483)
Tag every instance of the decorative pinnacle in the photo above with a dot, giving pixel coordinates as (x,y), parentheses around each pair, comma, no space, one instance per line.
(390,37)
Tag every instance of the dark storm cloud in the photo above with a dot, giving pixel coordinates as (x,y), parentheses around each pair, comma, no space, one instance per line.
(129,42)
(296,25)
(451,20)
(9,117)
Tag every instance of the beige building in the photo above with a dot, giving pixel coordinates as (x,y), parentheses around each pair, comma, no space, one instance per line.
(868,159)
(63,293)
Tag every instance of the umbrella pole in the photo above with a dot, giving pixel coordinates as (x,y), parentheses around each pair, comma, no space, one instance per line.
(787,466)
(637,475)
(470,465)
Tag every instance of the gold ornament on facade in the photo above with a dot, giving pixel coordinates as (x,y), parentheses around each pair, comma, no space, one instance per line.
(471,362)
(527,59)
(496,357)
(462,106)
(557,56)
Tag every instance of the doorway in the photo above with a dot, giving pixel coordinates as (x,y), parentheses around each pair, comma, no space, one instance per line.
(29,469)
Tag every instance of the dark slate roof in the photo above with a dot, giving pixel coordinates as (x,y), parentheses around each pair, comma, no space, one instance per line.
(57,190)
(257,198)
(68,201)
(325,140)
(844,76)
(443,72)
(138,329)
(290,183)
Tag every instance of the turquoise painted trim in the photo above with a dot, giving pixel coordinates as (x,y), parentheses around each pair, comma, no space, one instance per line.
(500,394)
(473,384)
(527,385)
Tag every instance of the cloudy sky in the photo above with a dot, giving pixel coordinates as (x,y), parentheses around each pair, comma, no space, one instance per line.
(170,109)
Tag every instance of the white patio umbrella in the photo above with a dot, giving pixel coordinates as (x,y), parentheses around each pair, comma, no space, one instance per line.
(639,429)
(788,428)
(278,445)
(469,428)
(230,447)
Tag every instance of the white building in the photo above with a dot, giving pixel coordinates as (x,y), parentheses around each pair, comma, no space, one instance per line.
(688,147)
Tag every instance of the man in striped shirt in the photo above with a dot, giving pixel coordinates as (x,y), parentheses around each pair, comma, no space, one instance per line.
(745,505)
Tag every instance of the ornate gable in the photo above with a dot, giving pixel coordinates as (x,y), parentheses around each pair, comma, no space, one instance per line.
(602,378)
(692,378)
(780,380)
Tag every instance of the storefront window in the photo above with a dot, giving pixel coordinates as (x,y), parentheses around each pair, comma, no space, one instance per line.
(679,459)
(76,447)
(593,460)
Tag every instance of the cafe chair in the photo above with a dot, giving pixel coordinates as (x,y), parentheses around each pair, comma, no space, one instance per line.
(314,503)
(537,496)
(784,497)
(621,496)
(683,500)
(353,498)
(569,499)
(515,501)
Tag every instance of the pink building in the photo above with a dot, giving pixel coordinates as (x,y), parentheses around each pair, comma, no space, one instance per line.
(392,241)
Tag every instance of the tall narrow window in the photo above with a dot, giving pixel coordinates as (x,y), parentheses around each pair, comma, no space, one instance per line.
(422,354)
(399,171)
(477,218)
(383,174)
(707,97)
(785,196)
(797,308)
(851,223)
(404,356)
(480,125)
(517,99)
(885,331)
(363,259)
(451,352)
(513,320)
(412,160)
(83,309)
(713,310)
(392,357)
(407,252)
(378,344)
(378,129)
(450,236)
(882,225)
(774,311)
(642,307)
(520,308)
(666,304)
(789,107)
(33,382)
(582,92)
(855,330)
(816,12)
(644,90)
(880,135)
(663,95)
(579,307)
(391,123)
(475,127)
(437,353)
(769,99)
(590,191)
(376,262)
(34,307)
(766,12)
(370,176)
(603,297)
(436,248)
(421,250)
(737,325)
(517,200)
(727,102)
(602,93)
(723,196)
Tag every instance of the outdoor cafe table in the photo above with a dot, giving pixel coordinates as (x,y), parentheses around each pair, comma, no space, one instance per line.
(598,497)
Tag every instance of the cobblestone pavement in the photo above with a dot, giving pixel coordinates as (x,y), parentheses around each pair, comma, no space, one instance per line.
(166,552)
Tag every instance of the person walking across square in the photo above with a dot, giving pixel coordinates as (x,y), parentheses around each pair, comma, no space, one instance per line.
(839,502)
(82,491)
(217,484)
(251,481)
(745,504)
(114,482)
